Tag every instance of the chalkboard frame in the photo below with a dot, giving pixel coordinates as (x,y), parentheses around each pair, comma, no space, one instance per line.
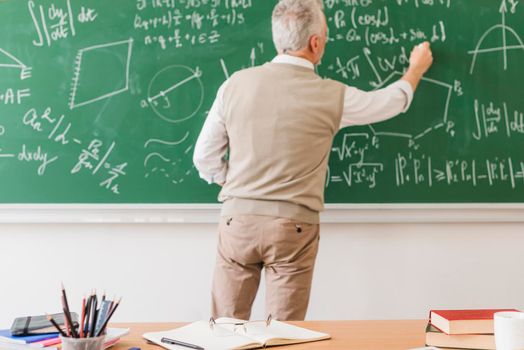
(449,155)
(210,213)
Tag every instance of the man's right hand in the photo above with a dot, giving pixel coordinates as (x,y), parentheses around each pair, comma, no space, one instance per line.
(421,58)
(420,61)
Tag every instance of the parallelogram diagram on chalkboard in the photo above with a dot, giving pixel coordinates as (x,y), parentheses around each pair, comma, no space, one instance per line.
(101,71)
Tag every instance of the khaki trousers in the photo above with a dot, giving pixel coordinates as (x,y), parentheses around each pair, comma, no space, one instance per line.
(287,249)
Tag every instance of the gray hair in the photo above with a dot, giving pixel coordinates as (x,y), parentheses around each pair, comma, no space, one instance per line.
(294,22)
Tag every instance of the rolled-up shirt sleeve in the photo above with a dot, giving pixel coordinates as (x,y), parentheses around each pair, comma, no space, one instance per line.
(212,144)
(367,107)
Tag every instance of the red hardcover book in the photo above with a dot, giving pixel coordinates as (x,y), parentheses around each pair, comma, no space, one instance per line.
(434,337)
(464,321)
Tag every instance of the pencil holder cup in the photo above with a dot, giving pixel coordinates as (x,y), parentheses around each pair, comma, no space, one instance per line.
(96,343)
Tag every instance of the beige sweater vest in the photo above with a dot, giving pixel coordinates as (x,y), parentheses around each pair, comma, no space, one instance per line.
(280,121)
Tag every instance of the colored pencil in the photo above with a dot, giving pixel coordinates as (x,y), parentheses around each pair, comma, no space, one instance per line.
(67,313)
(83,317)
(53,322)
(112,303)
(66,320)
(88,314)
(95,316)
(103,312)
(70,322)
(92,321)
(104,325)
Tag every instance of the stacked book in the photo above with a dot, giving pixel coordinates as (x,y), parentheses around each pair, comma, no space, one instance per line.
(50,341)
(462,329)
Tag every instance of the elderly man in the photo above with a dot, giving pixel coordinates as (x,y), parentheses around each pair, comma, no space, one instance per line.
(278,122)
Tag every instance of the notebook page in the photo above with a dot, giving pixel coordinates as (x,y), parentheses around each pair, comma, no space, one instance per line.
(283,333)
(199,333)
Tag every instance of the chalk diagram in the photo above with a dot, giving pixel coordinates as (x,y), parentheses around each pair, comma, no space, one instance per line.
(356,145)
(176,93)
(4,155)
(438,87)
(8,60)
(174,167)
(100,72)
(252,59)
(504,31)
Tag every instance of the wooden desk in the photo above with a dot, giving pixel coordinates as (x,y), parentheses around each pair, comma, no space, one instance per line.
(346,335)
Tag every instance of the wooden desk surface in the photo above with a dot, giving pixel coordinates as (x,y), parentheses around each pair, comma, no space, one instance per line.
(345,335)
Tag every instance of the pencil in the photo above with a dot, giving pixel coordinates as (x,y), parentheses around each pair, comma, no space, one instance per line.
(112,303)
(104,325)
(53,322)
(64,298)
(93,317)
(83,317)
(68,313)
(70,322)
(86,310)
(88,314)
(66,323)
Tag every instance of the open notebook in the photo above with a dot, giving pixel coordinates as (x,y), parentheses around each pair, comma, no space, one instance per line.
(199,333)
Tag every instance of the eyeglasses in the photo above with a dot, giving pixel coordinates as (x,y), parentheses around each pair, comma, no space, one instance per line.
(224,329)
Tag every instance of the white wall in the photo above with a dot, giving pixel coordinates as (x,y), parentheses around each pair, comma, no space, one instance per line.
(163,272)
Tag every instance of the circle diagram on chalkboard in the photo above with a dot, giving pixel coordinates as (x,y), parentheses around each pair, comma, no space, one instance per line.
(176,93)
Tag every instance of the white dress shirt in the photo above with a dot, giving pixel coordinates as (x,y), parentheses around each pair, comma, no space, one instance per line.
(360,108)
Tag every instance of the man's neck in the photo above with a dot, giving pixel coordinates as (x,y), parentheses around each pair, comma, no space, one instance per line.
(294,60)
(303,55)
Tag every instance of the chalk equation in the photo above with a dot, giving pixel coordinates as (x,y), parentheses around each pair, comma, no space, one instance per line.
(57,21)
(95,157)
(423,170)
(190,23)
(492,119)
(360,22)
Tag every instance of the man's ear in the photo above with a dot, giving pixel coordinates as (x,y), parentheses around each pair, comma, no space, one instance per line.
(314,43)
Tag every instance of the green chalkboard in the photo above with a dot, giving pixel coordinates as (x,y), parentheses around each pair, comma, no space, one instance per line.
(102,101)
